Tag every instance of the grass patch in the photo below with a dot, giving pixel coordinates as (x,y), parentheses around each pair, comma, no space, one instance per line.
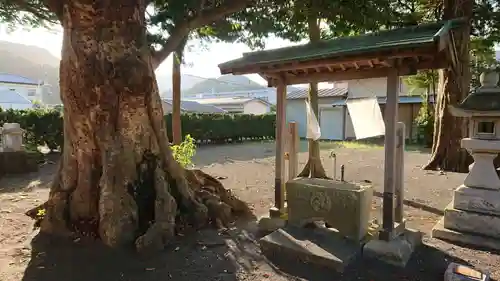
(361,144)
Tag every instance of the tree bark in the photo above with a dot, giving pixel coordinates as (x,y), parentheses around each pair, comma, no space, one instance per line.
(314,167)
(176,98)
(117,179)
(447,154)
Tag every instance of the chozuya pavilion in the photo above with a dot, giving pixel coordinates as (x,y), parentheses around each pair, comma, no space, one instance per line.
(391,54)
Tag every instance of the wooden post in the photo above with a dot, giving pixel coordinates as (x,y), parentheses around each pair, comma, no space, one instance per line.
(176,100)
(279,196)
(401,135)
(391,114)
(293,150)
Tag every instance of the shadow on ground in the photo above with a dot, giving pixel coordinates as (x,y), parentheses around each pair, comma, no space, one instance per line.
(427,264)
(206,255)
(28,182)
(227,153)
(416,205)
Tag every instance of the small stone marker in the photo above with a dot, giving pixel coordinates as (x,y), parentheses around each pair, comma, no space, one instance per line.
(12,137)
(458,272)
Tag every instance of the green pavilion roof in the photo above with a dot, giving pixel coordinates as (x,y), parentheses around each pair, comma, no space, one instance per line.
(402,38)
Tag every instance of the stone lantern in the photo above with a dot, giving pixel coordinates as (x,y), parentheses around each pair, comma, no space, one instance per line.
(474,215)
(483,109)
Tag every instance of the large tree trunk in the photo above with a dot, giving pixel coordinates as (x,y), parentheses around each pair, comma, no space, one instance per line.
(176,98)
(314,167)
(117,179)
(454,83)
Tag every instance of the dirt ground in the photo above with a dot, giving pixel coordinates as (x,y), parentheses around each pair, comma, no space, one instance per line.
(233,254)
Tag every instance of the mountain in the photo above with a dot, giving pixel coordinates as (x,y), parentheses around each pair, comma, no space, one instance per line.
(31,53)
(38,64)
(224,83)
(32,62)
(165,83)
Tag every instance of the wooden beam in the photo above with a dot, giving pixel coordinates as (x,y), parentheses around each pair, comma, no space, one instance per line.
(356,74)
(279,190)
(353,60)
(391,112)
(428,51)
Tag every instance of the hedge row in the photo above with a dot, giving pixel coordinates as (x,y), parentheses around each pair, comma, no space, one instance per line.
(44,127)
(225,127)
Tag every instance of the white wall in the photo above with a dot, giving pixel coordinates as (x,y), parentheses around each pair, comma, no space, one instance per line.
(372,87)
(296,112)
(230,108)
(349,128)
(256,107)
(27,91)
(17,106)
(268,94)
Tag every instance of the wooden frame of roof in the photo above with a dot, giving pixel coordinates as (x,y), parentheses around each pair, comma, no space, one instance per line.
(426,46)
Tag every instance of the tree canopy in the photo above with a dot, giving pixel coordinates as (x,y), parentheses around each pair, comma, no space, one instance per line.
(170,22)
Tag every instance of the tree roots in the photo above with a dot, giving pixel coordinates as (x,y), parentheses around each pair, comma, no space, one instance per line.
(152,210)
(313,169)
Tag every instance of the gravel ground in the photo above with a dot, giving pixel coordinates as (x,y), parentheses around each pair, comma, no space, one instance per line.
(234,254)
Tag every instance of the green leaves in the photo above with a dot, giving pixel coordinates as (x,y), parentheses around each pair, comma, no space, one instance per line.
(184,152)
(45,127)
(26,13)
(225,127)
(42,126)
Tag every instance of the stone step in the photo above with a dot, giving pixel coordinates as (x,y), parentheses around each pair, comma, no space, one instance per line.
(478,200)
(440,232)
(319,246)
(471,222)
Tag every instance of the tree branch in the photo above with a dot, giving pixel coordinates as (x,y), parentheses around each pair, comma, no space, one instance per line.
(38,12)
(181,30)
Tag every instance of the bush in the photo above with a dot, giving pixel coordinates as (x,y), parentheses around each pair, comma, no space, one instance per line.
(219,128)
(424,124)
(184,152)
(45,126)
(42,126)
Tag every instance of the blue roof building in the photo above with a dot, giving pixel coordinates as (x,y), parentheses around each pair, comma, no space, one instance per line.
(13,100)
(16,79)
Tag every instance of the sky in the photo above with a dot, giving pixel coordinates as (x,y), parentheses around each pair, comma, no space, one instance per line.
(200,62)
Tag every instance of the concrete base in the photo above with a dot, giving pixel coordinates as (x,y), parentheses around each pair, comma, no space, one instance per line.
(440,232)
(320,246)
(477,200)
(396,251)
(18,162)
(470,222)
(267,225)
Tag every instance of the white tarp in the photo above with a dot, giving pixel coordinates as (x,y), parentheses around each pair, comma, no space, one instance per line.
(313,129)
(366,117)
